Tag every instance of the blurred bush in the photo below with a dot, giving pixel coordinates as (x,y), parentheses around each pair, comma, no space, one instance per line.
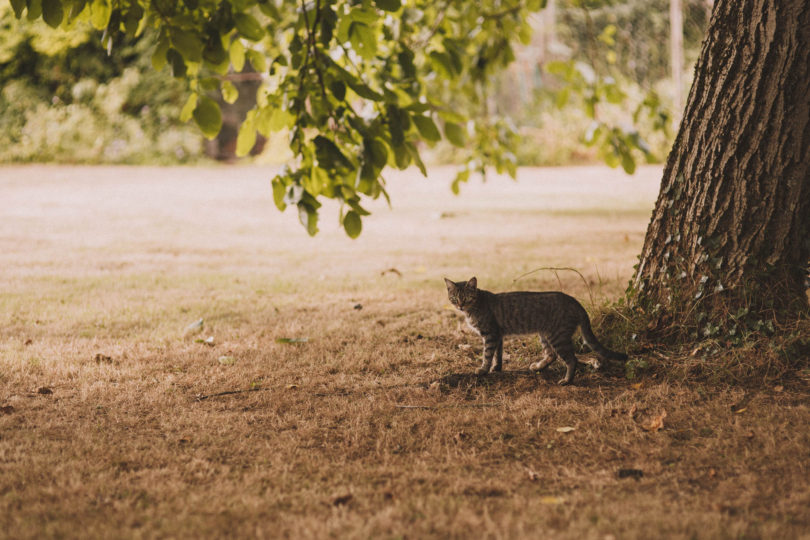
(65,99)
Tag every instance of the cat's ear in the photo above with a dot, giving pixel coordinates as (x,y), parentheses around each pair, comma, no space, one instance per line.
(473,283)
(450,285)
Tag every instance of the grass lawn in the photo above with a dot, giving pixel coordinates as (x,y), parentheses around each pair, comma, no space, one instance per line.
(329,390)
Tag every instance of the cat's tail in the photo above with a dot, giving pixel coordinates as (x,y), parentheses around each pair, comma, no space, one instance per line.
(593,343)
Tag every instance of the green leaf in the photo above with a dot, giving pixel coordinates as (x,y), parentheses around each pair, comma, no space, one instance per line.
(628,163)
(363,40)
(279,192)
(427,128)
(388,5)
(176,62)
(329,155)
(188,108)
(237,54)
(132,20)
(99,14)
(338,89)
(247,136)
(208,116)
(52,12)
(257,60)
(309,218)
(18,6)
(455,134)
(187,44)
(159,56)
(229,92)
(352,224)
(248,26)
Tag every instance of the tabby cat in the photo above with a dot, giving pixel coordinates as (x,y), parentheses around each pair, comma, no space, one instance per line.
(554,315)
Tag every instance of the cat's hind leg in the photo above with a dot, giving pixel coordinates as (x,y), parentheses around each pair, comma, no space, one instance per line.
(566,352)
(549,355)
(498,357)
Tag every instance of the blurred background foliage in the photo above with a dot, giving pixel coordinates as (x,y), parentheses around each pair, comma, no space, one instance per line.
(594,83)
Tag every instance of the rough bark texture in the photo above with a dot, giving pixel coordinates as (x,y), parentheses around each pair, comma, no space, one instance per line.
(732,220)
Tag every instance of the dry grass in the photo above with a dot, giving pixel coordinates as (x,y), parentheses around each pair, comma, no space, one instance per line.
(375,427)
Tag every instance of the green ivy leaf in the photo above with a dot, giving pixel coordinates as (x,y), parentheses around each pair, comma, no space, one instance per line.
(352,224)
(208,116)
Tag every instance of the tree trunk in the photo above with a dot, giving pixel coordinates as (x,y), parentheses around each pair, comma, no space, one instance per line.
(731,227)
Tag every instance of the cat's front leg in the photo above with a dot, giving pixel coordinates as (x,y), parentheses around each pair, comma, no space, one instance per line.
(490,347)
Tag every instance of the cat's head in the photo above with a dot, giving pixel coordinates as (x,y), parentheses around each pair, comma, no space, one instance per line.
(462,294)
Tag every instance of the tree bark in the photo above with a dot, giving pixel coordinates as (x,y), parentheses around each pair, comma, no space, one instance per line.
(731,226)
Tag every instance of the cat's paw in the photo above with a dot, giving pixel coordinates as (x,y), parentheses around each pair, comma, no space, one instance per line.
(493,369)
(563,382)
(537,366)
(481,371)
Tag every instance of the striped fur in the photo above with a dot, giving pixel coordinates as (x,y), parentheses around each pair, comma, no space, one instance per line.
(554,315)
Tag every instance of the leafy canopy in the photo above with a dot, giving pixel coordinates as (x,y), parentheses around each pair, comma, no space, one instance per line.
(357,83)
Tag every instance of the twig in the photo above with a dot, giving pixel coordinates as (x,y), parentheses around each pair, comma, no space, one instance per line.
(201,397)
(554,269)
(460,406)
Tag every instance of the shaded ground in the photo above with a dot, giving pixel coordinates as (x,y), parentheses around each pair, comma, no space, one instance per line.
(118,420)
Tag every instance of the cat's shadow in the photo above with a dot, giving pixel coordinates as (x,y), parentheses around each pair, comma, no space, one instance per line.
(464,380)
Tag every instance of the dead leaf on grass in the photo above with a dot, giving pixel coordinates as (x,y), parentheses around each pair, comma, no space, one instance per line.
(103,359)
(740,410)
(207,341)
(656,423)
(778,388)
(194,327)
(341,500)
(637,385)
(226,360)
(28,342)
(291,386)
(630,473)
(566,429)
(551,499)
(358,307)
(6,409)
(44,390)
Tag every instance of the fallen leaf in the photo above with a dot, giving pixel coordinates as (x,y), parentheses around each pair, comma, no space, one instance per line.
(551,499)
(291,386)
(28,342)
(750,434)
(566,429)
(741,410)
(656,423)
(102,359)
(358,307)
(342,499)
(637,385)
(207,341)
(44,390)
(778,388)
(6,409)
(630,473)
(226,360)
(712,472)
(293,340)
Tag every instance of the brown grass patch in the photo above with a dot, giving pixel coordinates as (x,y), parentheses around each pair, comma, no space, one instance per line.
(375,426)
